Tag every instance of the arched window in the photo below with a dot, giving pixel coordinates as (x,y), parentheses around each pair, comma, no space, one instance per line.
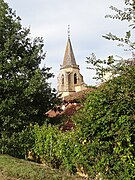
(75,78)
(62,78)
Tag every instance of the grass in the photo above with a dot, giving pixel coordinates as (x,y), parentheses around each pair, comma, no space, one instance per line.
(17,169)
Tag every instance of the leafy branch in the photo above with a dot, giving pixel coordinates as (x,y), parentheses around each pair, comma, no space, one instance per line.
(111,65)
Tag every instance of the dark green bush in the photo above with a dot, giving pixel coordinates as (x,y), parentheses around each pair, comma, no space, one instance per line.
(17,144)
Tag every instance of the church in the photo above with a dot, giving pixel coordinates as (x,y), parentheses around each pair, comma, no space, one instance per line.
(70,79)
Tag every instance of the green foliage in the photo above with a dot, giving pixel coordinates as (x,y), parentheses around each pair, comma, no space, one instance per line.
(45,143)
(128,14)
(25,94)
(107,121)
(18,144)
(68,150)
(106,125)
(112,65)
(54,147)
(103,143)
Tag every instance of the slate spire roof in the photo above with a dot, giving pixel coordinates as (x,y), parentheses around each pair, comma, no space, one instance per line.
(69,58)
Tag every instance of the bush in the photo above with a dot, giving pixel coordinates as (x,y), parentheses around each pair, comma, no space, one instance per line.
(106,127)
(46,138)
(56,148)
(18,144)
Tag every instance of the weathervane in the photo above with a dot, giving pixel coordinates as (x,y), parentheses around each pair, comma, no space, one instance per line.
(69,31)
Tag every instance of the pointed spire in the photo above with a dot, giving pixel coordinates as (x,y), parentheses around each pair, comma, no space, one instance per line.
(69,58)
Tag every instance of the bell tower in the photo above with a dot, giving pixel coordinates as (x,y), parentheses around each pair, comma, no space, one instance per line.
(69,79)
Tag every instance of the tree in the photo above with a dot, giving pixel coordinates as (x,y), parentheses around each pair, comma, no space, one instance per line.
(111,64)
(128,14)
(106,125)
(25,94)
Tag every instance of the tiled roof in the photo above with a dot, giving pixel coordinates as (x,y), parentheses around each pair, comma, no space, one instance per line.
(69,110)
(78,96)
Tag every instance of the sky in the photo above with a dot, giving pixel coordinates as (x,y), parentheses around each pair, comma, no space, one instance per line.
(50,19)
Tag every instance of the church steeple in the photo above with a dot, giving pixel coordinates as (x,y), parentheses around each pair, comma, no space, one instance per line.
(69,58)
(69,80)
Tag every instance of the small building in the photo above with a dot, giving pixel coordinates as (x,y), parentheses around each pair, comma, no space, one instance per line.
(69,79)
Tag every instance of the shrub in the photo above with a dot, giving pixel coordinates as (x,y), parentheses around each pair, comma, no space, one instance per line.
(18,143)
(46,138)
(106,127)
(56,148)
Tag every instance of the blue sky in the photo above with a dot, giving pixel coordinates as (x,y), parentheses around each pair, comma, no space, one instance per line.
(50,18)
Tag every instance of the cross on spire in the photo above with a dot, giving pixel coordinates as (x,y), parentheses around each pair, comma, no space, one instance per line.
(68,31)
